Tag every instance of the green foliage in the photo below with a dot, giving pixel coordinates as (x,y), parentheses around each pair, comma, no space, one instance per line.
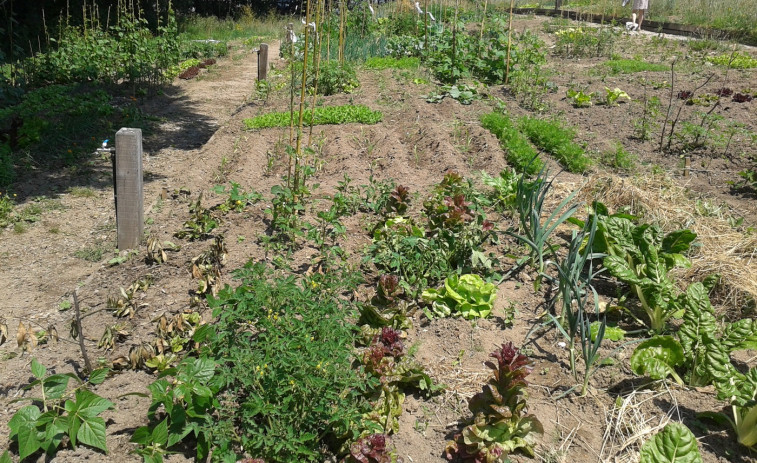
(450,241)
(110,53)
(518,150)
(642,256)
(658,357)
(577,296)
(735,60)
(58,413)
(466,295)
(674,444)
(284,350)
(700,343)
(335,78)
(741,391)
(612,96)
(630,66)
(585,41)
(618,158)
(579,98)
(557,140)
(181,409)
(500,423)
(537,231)
(647,122)
(345,114)
(465,94)
(504,187)
(379,63)
(529,80)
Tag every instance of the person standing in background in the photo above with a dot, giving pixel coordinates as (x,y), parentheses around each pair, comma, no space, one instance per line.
(639,7)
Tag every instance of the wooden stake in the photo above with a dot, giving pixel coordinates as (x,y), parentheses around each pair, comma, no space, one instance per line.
(77,312)
(129,183)
(687,166)
(263,62)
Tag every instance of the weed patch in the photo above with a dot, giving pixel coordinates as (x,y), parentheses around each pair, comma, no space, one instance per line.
(323,116)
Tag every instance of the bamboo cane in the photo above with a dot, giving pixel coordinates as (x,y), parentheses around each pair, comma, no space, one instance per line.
(509,41)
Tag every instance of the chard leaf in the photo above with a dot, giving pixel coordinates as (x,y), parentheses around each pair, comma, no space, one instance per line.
(657,358)
(698,317)
(678,241)
(618,267)
(674,444)
(740,335)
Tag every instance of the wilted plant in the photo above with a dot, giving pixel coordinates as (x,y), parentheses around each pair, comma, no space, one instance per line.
(500,422)
(207,267)
(201,223)
(156,251)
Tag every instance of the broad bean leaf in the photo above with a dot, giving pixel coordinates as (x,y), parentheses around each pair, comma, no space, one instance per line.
(674,444)
(657,357)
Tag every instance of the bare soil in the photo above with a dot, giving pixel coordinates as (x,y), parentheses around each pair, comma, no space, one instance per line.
(199,142)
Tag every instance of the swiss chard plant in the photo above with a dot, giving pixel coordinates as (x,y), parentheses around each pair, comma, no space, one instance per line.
(60,412)
(674,444)
(741,391)
(466,295)
(642,256)
(698,343)
(500,423)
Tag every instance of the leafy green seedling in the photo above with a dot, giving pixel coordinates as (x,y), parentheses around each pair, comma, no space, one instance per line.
(612,96)
(579,98)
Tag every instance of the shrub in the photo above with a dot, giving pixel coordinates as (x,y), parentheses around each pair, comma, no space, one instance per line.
(284,348)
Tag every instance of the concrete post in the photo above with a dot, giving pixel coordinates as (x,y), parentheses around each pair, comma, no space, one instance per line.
(263,62)
(129,183)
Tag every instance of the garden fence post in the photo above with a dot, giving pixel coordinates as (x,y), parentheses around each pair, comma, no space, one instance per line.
(687,166)
(129,182)
(263,62)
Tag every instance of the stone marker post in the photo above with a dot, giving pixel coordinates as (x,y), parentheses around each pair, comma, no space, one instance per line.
(130,199)
(263,61)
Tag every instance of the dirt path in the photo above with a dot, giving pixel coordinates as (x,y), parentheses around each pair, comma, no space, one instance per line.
(40,266)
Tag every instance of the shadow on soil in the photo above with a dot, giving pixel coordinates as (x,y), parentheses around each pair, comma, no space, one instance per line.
(168,120)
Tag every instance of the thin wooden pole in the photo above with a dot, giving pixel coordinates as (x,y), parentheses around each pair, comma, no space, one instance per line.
(483,22)
(509,41)
(298,149)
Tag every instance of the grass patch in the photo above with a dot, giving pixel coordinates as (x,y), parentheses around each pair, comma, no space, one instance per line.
(518,150)
(325,115)
(82,192)
(618,158)
(380,63)
(629,66)
(91,254)
(246,28)
(552,137)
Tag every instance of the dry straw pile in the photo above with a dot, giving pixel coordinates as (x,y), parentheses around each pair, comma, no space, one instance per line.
(721,248)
